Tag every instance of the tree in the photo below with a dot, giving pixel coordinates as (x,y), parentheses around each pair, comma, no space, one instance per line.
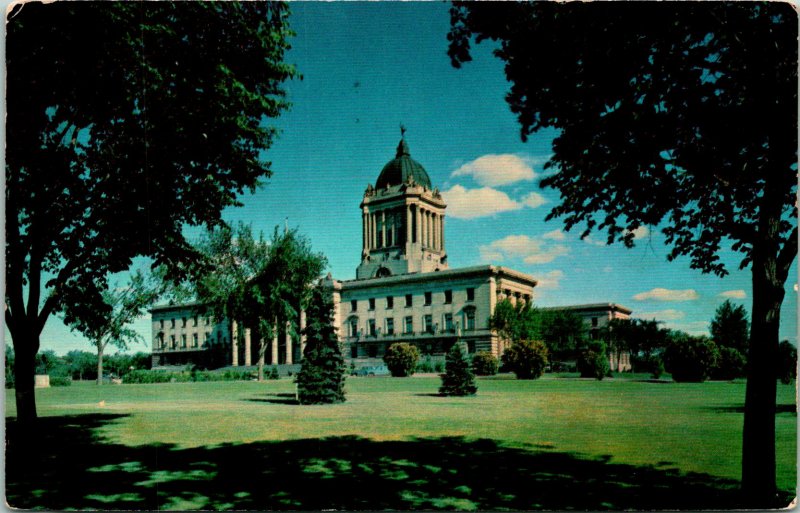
(686,121)
(593,361)
(484,363)
(787,362)
(526,358)
(514,322)
(401,359)
(119,307)
(458,379)
(9,368)
(730,327)
(730,365)
(322,375)
(690,359)
(178,131)
(261,285)
(82,364)
(563,332)
(643,339)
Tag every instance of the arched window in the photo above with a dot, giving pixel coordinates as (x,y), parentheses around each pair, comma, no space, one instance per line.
(469,318)
(383,272)
(352,326)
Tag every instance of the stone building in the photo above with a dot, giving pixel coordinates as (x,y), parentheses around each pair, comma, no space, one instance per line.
(404,289)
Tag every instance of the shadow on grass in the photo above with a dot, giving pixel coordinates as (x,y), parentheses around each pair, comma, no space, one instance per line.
(70,467)
(779,409)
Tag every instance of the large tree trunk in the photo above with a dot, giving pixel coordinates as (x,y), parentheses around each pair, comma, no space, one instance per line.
(25,349)
(758,439)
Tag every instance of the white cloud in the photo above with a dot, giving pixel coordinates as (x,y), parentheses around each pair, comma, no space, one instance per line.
(641,232)
(554,235)
(529,250)
(735,294)
(533,199)
(669,314)
(465,203)
(549,280)
(607,269)
(594,242)
(659,294)
(493,170)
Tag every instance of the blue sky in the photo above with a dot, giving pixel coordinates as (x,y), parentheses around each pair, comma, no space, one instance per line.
(367,68)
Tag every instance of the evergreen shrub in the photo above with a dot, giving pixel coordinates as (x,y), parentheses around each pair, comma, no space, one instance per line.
(401,359)
(526,358)
(458,379)
(484,363)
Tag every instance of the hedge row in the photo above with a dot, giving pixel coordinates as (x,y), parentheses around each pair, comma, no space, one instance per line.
(151,376)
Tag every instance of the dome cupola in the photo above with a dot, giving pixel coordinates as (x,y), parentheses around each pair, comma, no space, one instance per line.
(398,170)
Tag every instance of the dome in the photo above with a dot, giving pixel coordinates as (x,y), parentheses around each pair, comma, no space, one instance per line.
(397,170)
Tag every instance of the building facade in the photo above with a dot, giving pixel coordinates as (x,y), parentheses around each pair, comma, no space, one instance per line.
(404,290)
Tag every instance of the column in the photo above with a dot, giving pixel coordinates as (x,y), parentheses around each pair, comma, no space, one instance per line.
(289,355)
(409,238)
(383,228)
(247,360)
(441,237)
(364,231)
(428,229)
(374,231)
(274,356)
(302,335)
(435,231)
(418,216)
(423,241)
(234,344)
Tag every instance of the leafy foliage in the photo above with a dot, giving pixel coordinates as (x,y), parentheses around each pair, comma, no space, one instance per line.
(484,363)
(687,122)
(179,130)
(322,375)
(787,362)
(593,361)
(730,327)
(526,358)
(401,359)
(563,332)
(515,322)
(690,359)
(730,365)
(458,379)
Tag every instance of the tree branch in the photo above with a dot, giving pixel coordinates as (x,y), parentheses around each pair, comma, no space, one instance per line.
(787,255)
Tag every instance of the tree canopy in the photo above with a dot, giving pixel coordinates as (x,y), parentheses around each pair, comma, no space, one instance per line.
(730,326)
(125,122)
(676,115)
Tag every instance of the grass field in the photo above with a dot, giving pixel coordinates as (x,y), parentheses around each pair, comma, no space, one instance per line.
(551,443)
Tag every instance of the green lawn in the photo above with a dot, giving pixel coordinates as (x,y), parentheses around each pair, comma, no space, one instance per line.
(551,443)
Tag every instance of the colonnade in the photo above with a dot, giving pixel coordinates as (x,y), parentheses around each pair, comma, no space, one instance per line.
(384,228)
(274,354)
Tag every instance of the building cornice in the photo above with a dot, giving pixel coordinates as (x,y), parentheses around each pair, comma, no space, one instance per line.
(443,275)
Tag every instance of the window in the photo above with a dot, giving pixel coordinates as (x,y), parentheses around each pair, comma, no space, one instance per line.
(448,297)
(161,324)
(207,340)
(389,302)
(183,340)
(160,341)
(353,305)
(372,332)
(372,351)
(194,340)
(470,294)
(594,322)
(194,321)
(448,322)
(409,301)
(372,303)
(353,327)
(390,326)
(172,341)
(428,298)
(470,324)
(172,323)
(183,322)
(427,321)
(353,351)
(409,325)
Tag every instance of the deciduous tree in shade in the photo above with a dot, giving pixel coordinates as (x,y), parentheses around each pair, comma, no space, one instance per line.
(681,116)
(730,326)
(126,122)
